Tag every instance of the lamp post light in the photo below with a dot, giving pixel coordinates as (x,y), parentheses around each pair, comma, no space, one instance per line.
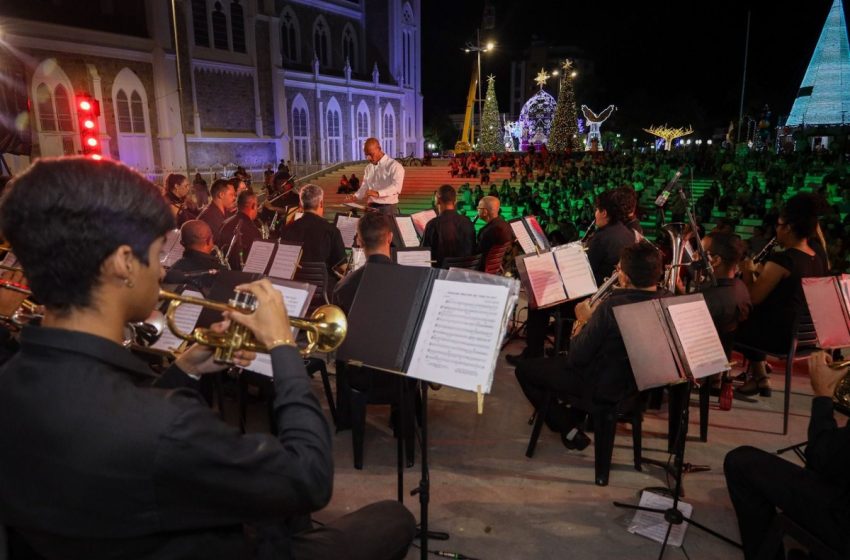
(478,48)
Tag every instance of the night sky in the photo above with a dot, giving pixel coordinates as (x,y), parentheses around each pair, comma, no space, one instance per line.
(668,62)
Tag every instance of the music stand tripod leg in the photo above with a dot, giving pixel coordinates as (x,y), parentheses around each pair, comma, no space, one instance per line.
(672,515)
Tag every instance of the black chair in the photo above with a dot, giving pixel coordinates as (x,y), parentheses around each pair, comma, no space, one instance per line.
(472,262)
(803,343)
(783,525)
(494,261)
(315,273)
(605,417)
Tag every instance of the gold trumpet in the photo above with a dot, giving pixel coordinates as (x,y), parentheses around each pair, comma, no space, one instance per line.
(326,327)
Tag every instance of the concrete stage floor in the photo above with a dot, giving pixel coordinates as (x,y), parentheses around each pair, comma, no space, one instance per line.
(497,504)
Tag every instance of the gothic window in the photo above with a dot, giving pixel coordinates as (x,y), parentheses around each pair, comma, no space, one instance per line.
(334,133)
(130,101)
(322,42)
(362,123)
(55,115)
(388,142)
(237,23)
(300,138)
(199,23)
(122,107)
(289,37)
(46,113)
(219,26)
(349,46)
(63,109)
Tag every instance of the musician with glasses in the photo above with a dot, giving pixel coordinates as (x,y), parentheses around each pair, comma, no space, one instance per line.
(496,231)
(132,465)
(596,368)
(816,497)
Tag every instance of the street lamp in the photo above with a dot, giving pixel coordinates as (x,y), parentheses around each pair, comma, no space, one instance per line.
(478,48)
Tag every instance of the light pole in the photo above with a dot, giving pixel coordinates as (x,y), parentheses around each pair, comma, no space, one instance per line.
(477,48)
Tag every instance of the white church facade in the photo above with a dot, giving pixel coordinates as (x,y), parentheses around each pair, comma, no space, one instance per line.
(304,81)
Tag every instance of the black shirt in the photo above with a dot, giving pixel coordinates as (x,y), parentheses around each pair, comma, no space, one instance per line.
(213,217)
(346,289)
(248,233)
(194,261)
(99,459)
(782,303)
(449,235)
(321,240)
(603,250)
(728,303)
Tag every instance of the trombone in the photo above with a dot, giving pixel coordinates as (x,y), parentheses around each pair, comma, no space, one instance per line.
(326,327)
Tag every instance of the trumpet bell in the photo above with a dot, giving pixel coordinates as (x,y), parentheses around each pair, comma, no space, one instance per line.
(326,328)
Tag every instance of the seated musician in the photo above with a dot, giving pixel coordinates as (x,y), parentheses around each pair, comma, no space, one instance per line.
(282,199)
(321,240)
(239,231)
(729,301)
(603,252)
(176,189)
(596,369)
(496,232)
(374,235)
(814,497)
(626,197)
(198,258)
(132,465)
(223,198)
(777,292)
(449,234)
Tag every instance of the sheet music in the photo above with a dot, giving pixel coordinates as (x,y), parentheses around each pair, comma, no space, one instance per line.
(844,284)
(295,301)
(10,260)
(696,333)
(575,270)
(653,526)
(347,226)
(522,236)
(186,318)
(545,279)
(458,340)
(537,233)
(285,261)
(258,257)
(298,215)
(407,229)
(414,258)
(172,250)
(359,258)
(421,219)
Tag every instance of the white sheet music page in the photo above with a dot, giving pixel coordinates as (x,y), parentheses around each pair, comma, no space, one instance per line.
(167,254)
(522,237)
(285,261)
(458,340)
(295,301)
(358,259)
(421,219)
(844,284)
(258,257)
(698,337)
(575,270)
(545,279)
(414,258)
(354,206)
(186,318)
(347,226)
(407,230)
(653,526)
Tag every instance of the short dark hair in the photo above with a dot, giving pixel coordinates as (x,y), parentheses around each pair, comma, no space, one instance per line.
(280,178)
(235,181)
(642,264)
(446,194)
(372,229)
(728,246)
(801,214)
(607,201)
(244,199)
(626,198)
(219,185)
(65,216)
(172,180)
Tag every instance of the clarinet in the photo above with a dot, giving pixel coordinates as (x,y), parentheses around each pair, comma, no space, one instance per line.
(765,252)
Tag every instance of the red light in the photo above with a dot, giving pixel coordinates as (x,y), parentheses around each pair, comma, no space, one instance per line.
(92,142)
(88,123)
(97,157)
(85,105)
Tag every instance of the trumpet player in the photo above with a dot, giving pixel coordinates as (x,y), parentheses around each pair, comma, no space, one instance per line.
(815,497)
(138,466)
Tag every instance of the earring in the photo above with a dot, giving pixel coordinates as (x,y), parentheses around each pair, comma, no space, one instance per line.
(129,283)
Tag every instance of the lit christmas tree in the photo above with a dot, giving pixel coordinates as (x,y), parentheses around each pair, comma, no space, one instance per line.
(491,131)
(565,124)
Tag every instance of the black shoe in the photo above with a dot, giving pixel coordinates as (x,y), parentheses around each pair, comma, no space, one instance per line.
(751,387)
(578,443)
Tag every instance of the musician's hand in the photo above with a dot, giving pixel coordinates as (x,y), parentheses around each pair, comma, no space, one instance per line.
(747,266)
(584,311)
(198,359)
(373,193)
(269,322)
(351,197)
(824,378)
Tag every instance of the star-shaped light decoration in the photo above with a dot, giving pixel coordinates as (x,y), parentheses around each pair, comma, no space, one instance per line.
(567,66)
(542,78)
(490,78)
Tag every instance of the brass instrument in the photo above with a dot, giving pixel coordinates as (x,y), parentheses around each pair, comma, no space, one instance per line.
(765,252)
(842,390)
(219,254)
(680,234)
(144,333)
(603,292)
(326,327)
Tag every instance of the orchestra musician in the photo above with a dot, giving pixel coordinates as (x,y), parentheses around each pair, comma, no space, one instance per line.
(238,232)
(815,497)
(596,369)
(320,240)
(450,234)
(197,240)
(176,189)
(282,198)
(134,465)
(496,231)
(223,198)
(382,180)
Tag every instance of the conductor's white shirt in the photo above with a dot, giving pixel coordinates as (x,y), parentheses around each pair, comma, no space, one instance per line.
(386,177)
